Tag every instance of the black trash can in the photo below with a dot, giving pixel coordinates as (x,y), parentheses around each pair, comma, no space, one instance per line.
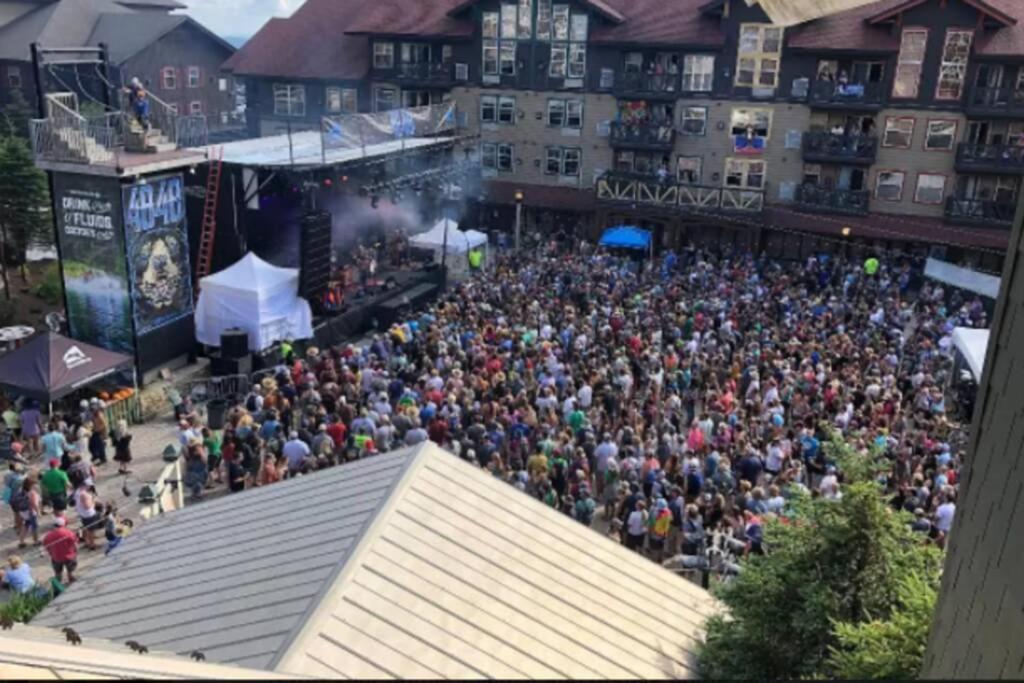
(216,411)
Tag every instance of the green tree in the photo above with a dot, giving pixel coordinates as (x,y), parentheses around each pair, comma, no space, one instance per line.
(15,117)
(25,216)
(889,649)
(832,563)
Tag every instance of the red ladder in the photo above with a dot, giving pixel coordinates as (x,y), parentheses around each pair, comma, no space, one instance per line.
(205,255)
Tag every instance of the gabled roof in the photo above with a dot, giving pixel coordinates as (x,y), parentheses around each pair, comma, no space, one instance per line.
(983,6)
(794,12)
(412,564)
(679,22)
(128,34)
(311,43)
(399,17)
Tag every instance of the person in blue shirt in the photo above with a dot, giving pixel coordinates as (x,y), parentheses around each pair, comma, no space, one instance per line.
(269,427)
(17,576)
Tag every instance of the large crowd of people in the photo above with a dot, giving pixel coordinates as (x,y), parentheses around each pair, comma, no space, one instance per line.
(660,400)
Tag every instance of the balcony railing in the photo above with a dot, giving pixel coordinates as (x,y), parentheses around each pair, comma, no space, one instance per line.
(426,72)
(646,85)
(980,212)
(847,96)
(636,188)
(657,136)
(825,147)
(1004,100)
(974,158)
(846,202)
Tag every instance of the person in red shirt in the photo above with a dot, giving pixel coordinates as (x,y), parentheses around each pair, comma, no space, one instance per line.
(438,431)
(62,545)
(337,431)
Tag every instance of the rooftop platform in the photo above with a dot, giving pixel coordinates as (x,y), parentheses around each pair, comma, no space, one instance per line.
(129,164)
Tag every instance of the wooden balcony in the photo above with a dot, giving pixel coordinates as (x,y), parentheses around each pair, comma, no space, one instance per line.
(830,148)
(829,200)
(983,213)
(851,96)
(642,86)
(1000,159)
(649,190)
(650,136)
(1004,101)
(425,74)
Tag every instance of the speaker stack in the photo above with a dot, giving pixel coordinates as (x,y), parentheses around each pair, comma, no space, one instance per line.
(234,357)
(315,255)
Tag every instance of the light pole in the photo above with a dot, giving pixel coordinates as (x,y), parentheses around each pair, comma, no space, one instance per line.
(519,215)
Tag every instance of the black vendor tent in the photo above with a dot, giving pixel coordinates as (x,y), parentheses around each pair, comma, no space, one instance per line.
(50,366)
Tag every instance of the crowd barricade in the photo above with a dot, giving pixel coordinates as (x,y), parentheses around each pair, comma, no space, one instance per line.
(210,388)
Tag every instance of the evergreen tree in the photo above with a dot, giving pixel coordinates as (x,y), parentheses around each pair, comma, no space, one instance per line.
(15,117)
(25,215)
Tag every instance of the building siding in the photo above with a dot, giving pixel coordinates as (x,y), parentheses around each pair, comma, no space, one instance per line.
(978,622)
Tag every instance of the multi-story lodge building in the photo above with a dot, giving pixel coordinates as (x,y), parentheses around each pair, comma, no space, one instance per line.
(899,122)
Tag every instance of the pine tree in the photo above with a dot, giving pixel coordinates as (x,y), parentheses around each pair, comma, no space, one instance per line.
(15,117)
(25,216)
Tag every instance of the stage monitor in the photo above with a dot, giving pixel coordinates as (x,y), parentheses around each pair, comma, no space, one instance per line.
(314,254)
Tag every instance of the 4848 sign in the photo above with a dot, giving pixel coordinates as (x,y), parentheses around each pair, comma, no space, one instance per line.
(159,203)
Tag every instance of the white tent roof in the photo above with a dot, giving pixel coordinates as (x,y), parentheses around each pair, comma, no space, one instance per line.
(457,241)
(251,274)
(973,344)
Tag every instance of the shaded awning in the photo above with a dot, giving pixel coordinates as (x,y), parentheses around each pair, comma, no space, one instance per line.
(50,366)
(626,237)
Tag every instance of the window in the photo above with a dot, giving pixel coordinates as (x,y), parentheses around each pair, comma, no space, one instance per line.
(889,186)
(384,99)
(488,109)
(14,77)
(913,44)
(169,78)
(415,53)
(624,160)
(193,77)
(499,45)
(750,130)
(698,73)
(507,110)
(931,188)
(224,118)
(505,158)
(543,19)
(195,107)
(565,113)
(898,133)
(333,100)
(940,135)
(688,170)
(953,68)
(634,62)
(349,101)
(812,174)
(289,100)
(383,55)
(496,157)
(569,44)
(564,161)
(446,54)
(222,84)
(525,19)
(695,120)
(415,98)
(760,50)
(745,174)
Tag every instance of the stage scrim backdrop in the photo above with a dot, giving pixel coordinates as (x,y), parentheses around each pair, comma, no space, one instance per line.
(92,249)
(158,263)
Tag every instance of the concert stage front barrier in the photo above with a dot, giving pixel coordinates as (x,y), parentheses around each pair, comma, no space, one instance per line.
(380,310)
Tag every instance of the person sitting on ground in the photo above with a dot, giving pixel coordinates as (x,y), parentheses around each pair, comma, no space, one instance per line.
(17,576)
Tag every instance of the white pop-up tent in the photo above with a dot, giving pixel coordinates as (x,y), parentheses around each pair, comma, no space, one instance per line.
(972,345)
(257,297)
(459,245)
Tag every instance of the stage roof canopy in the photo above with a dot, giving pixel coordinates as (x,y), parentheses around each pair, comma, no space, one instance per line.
(307,150)
(411,564)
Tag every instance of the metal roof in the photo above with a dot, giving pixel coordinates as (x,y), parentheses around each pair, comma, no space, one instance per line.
(236,577)
(307,149)
(413,564)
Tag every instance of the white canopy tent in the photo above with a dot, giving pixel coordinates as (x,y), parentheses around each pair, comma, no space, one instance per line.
(972,345)
(257,297)
(459,245)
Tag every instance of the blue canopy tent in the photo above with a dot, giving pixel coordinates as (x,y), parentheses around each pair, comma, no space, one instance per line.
(626,237)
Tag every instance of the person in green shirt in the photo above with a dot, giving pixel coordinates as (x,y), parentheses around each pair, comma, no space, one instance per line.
(212,444)
(576,420)
(476,258)
(55,486)
(12,420)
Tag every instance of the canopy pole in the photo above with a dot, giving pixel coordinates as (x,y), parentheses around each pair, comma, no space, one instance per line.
(135,394)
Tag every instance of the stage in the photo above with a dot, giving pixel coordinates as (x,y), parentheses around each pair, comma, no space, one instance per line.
(382,308)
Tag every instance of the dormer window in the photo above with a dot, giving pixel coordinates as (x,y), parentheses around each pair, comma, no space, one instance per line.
(759,55)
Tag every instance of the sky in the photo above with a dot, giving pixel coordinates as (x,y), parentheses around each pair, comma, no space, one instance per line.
(238,17)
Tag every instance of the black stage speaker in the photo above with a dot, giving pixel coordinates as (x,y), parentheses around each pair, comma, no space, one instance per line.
(234,343)
(314,254)
(222,367)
